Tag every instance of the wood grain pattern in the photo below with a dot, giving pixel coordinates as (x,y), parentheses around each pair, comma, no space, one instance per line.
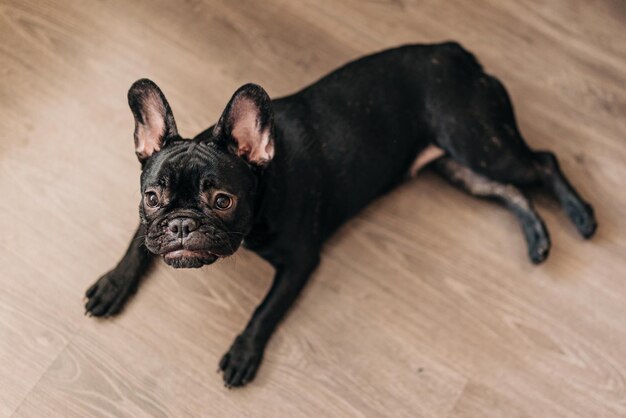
(424,305)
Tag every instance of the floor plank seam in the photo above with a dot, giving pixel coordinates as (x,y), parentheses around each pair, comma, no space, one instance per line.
(458,398)
(61,352)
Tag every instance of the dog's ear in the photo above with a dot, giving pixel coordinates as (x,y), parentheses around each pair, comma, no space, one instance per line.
(247,125)
(154,120)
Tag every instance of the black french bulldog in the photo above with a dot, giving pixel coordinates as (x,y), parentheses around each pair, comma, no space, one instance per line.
(281,175)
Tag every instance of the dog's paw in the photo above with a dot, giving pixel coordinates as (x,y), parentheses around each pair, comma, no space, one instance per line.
(107,295)
(582,215)
(539,247)
(538,241)
(539,250)
(240,364)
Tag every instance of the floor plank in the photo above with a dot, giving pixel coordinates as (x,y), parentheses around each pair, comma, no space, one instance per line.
(424,305)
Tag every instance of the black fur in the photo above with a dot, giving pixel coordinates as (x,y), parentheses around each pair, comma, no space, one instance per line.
(336,145)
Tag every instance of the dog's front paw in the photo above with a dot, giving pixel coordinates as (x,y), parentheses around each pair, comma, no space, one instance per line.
(241,362)
(109,293)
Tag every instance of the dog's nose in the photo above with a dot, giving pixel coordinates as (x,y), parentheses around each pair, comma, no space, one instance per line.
(182,226)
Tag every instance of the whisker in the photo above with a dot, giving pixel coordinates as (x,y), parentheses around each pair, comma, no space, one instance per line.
(234,233)
(139,237)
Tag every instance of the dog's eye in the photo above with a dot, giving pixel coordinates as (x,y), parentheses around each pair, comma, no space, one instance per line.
(223,201)
(151,199)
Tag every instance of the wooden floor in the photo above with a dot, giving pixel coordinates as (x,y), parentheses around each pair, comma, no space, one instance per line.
(424,305)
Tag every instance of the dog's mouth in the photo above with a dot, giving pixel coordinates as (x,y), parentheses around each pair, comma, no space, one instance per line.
(184,258)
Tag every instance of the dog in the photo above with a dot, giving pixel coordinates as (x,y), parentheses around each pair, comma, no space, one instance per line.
(280,176)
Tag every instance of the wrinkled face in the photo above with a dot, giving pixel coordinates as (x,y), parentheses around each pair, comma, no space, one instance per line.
(198,195)
(198,203)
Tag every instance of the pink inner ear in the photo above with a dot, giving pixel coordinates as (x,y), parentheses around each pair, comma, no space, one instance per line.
(252,142)
(150,133)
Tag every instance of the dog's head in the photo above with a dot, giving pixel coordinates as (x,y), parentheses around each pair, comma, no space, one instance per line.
(198,196)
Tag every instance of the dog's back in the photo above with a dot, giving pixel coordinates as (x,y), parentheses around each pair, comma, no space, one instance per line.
(366,123)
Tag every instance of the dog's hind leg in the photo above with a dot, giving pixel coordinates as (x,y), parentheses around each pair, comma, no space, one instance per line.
(580,212)
(478,130)
(535,231)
